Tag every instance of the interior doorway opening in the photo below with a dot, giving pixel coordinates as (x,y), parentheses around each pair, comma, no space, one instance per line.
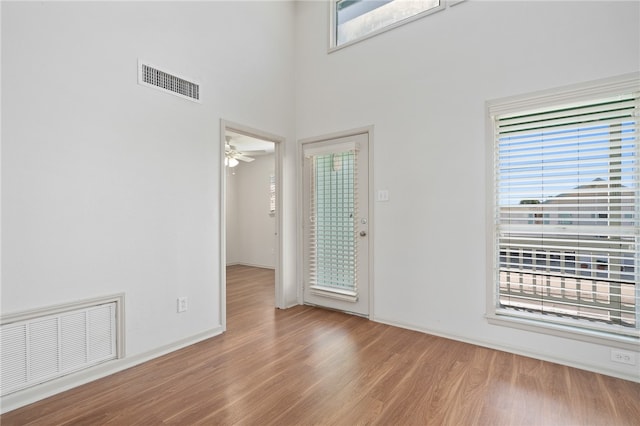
(251,205)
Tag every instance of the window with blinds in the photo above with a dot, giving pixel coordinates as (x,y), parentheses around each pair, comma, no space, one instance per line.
(567,213)
(333,245)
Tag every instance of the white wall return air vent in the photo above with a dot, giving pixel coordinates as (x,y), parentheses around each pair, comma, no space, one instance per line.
(153,77)
(48,343)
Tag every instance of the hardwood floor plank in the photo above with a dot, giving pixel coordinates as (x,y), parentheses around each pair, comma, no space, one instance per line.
(309,366)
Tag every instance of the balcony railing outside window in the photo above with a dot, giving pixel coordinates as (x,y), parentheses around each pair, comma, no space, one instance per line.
(566,284)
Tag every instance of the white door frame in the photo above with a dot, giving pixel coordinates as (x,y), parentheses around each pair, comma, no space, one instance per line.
(278,141)
(368,130)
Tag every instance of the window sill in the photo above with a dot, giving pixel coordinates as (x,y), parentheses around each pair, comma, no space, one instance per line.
(346,295)
(630,343)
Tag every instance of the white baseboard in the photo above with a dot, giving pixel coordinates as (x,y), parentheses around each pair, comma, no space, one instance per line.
(44,390)
(253,265)
(513,350)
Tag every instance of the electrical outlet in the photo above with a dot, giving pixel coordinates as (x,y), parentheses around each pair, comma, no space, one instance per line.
(624,357)
(182,304)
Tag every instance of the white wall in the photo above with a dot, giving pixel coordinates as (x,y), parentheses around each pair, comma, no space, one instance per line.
(234,250)
(108,186)
(251,238)
(424,86)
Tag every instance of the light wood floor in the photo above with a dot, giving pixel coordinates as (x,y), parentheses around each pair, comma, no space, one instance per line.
(305,366)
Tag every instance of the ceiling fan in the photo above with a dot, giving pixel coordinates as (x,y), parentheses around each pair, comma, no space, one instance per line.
(233,156)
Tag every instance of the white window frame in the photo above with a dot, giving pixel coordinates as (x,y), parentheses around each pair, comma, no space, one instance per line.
(333,41)
(576,93)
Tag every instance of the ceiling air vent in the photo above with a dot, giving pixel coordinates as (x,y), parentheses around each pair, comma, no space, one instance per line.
(153,77)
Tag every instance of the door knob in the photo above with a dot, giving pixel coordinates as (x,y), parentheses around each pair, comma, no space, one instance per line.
(363,233)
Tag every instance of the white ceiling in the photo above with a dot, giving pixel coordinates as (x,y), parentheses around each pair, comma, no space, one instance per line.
(244,143)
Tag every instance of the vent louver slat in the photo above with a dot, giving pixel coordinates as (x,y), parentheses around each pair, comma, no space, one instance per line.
(153,77)
(14,356)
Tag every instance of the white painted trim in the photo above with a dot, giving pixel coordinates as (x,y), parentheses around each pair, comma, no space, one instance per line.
(513,350)
(368,130)
(279,143)
(611,86)
(36,393)
(332,27)
(222,227)
(566,331)
(372,233)
(299,223)
(451,3)
(337,147)
(490,215)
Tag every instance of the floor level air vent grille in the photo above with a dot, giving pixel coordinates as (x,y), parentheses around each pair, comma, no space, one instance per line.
(46,345)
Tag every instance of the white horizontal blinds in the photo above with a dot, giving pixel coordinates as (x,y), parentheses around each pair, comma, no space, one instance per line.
(333,248)
(567,196)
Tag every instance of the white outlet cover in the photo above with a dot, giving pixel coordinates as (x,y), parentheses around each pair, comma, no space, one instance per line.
(182,304)
(624,357)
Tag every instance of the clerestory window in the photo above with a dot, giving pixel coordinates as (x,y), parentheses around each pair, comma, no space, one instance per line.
(571,158)
(354,20)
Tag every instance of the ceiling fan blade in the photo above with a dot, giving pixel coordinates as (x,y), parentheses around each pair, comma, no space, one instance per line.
(243,158)
(255,152)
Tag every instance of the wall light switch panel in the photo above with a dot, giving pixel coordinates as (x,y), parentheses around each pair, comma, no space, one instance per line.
(382,195)
(182,304)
